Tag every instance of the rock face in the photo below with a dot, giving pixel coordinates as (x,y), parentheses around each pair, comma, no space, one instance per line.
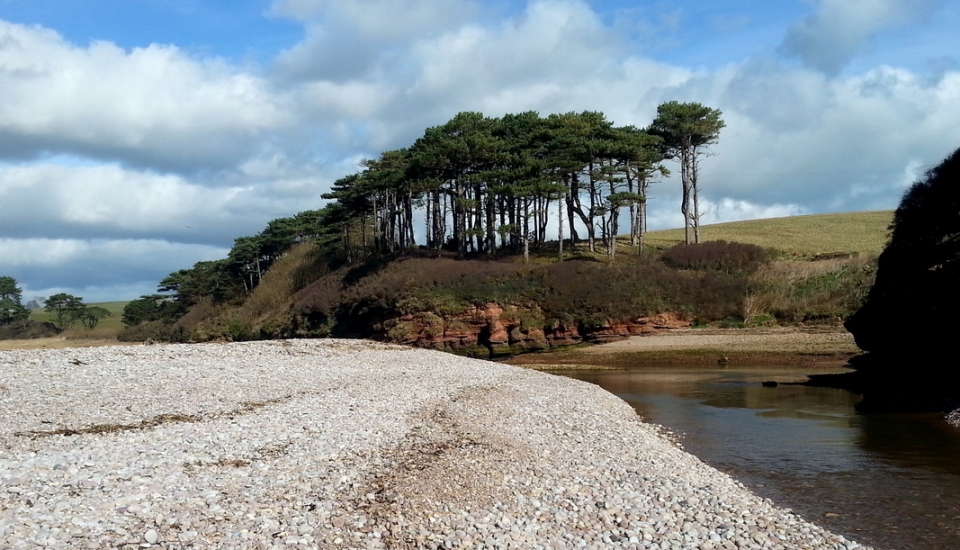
(492,331)
(910,318)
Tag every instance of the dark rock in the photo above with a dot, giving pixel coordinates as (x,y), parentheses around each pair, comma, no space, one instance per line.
(911,310)
(910,318)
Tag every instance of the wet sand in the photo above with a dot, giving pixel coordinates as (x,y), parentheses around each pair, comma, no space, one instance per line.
(829,346)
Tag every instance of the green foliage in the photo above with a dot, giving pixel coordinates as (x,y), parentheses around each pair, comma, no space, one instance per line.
(27,329)
(238,330)
(11,311)
(90,316)
(210,279)
(151,307)
(575,293)
(9,290)
(66,308)
(686,126)
(727,283)
(686,130)
(11,308)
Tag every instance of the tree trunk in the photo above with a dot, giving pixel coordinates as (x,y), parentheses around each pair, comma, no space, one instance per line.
(560,230)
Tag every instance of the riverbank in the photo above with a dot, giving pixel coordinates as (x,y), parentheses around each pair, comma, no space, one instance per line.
(347,444)
(815,347)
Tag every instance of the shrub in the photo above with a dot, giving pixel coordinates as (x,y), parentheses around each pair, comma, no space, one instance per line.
(157,331)
(723,256)
(27,329)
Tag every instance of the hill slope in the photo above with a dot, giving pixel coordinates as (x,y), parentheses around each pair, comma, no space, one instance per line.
(802,236)
(817,269)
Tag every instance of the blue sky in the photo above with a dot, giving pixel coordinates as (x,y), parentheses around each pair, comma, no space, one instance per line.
(137,138)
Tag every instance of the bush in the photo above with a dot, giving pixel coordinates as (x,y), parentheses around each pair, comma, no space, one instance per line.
(26,329)
(727,257)
(156,331)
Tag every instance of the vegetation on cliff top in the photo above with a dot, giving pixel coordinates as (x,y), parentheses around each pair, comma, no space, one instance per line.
(485,189)
(309,293)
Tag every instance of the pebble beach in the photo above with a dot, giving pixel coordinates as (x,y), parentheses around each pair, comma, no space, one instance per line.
(348,444)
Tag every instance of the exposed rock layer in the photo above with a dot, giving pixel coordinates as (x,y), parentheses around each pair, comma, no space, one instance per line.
(491,331)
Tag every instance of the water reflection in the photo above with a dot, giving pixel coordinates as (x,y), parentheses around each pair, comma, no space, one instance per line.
(890,480)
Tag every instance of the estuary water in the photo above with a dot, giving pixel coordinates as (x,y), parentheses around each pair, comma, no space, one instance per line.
(890,480)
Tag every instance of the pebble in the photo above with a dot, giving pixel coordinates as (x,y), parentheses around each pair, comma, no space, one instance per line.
(348,444)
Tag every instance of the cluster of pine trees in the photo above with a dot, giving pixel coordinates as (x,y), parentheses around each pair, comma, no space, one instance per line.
(486,184)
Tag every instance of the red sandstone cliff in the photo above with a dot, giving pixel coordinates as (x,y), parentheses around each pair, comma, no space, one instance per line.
(491,330)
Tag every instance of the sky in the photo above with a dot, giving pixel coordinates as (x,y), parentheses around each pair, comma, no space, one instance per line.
(137,138)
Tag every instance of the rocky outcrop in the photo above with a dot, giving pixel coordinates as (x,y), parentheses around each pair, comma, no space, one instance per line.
(493,331)
(910,318)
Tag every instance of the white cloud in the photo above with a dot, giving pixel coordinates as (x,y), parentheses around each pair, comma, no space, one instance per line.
(109,200)
(97,269)
(551,40)
(157,139)
(152,106)
(731,210)
(810,142)
(348,40)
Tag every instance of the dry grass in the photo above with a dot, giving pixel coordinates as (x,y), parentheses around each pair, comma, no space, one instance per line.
(99,333)
(273,297)
(801,236)
(60,342)
(820,291)
(300,266)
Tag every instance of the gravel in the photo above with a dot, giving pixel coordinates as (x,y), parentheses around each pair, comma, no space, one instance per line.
(348,444)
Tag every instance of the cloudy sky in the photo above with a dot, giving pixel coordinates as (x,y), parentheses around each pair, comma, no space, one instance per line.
(137,138)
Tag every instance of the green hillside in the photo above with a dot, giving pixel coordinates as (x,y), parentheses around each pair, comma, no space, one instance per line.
(801,236)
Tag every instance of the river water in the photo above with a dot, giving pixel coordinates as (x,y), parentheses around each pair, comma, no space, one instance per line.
(885,479)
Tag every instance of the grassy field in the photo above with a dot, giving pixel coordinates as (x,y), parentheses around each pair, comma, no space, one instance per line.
(111,323)
(799,236)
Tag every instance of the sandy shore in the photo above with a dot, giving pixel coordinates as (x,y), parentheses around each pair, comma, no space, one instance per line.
(347,444)
(808,346)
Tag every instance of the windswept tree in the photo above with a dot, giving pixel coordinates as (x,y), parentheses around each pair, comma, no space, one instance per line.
(11,308)
(453,161)
(65,307)
(687,130)
(91,316)
(205,280)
